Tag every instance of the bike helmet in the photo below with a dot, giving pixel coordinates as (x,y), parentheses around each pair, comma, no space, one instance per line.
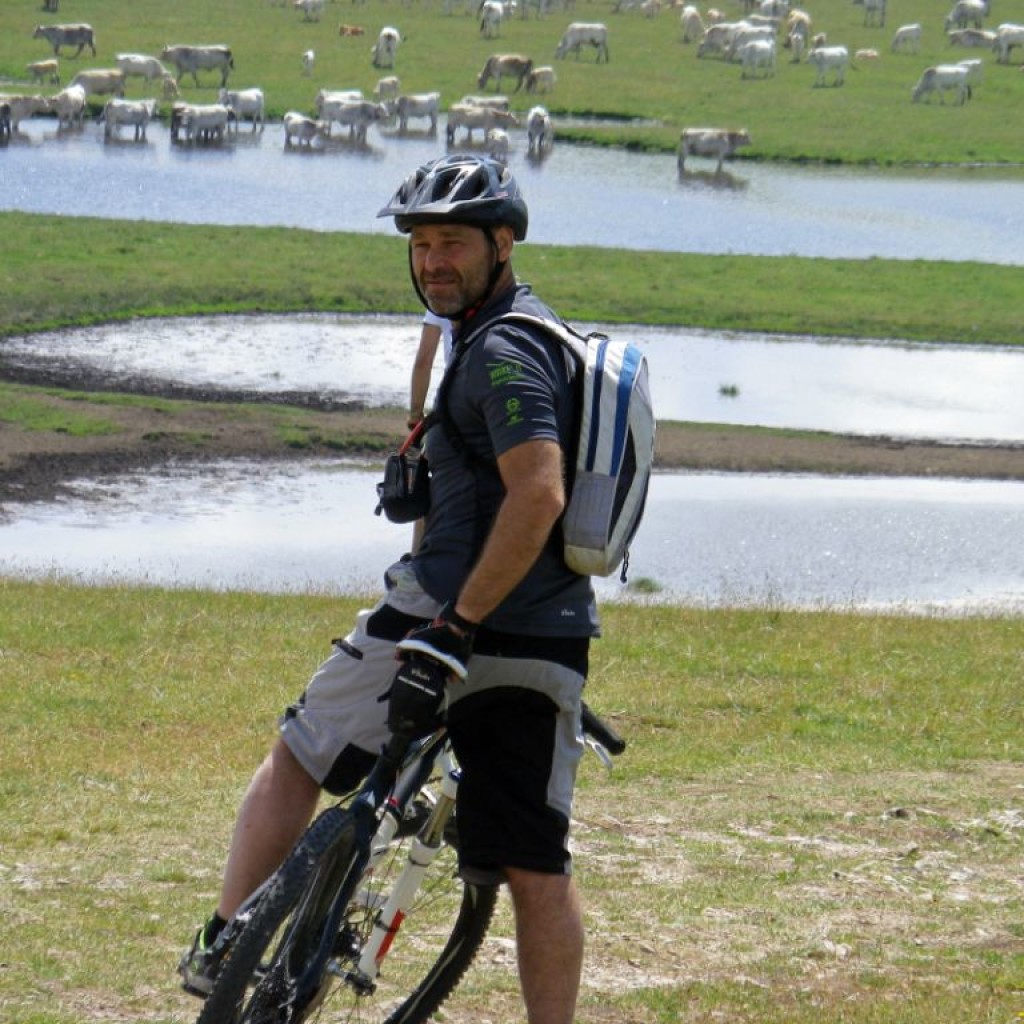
(460,189)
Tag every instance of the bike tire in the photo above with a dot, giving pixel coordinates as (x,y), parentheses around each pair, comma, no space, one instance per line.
(438,939)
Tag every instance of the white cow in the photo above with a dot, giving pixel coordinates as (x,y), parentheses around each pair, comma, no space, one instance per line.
(1008,35)
(44,69)
(941,79)
(308,62)
(100,81)
(747,34)
(505,65)
(383,51)
(205,122)
(302,129)
(540,134)
(19,107)
(496,142)
(970,37)
(584,33)
(691,24)
(717,37)
(80,35)
(541,79)
(137,113)
(713,143)
(422,104)
(966,12)
(387,88)
(907,38)
(69,106)
(311,9)
(758,54)
(473,118)
(246,103)
(492,13)
(193,59)
(495,102)
(139,65)
(874,12)
(829,58)
(357,116)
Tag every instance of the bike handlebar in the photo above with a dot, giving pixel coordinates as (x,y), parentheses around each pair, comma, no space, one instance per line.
(601,731)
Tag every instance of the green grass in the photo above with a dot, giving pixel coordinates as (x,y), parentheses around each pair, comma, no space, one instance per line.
(818,818)
(651,74)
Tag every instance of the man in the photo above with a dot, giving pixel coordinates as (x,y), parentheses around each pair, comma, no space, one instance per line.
(486,610)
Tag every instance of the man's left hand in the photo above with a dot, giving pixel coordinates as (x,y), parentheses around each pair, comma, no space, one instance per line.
(448,640)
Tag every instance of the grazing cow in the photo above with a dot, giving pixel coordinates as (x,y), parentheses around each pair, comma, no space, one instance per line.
(69,106)
(472,118)
(100,81)
(496,142)
(874,13)
(796,43)
(747,34)
(691,24)
(138,65)
(798,21)
(423,104)
(942,78)
(907,38)
(383,51)
(1008,35)
(303,130)
(540,135)
(541,79)
(44,69)
(20,107)
(204,122)
(350,31)
(246,103)
(387,88)
(137,113)
(717,37)
(714,143)
(505,65)
(758,53)
(971,37)
(829,58)
(308,62)
(80,35)
(193,59)
(311,9)
(965,12)
(584,33)
(491,15)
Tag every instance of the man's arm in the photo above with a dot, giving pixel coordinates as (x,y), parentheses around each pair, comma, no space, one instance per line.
(534,499)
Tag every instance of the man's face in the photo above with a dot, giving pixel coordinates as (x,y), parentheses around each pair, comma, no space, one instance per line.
(452,263)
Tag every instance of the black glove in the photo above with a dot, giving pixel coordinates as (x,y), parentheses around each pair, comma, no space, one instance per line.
(448,641)
(417,697)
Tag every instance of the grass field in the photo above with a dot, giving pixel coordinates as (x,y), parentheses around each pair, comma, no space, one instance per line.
(652,76)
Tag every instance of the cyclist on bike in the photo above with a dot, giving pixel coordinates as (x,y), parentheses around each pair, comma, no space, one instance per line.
(486,617)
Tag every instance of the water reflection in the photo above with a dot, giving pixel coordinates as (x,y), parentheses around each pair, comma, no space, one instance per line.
(897,389)
(707,539)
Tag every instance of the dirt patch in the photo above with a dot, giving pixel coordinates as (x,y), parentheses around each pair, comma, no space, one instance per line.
(38,464)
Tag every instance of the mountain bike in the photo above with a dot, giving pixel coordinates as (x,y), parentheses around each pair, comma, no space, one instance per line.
(368,913)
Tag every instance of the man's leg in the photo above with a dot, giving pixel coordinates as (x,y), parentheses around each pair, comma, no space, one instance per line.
(277,806)
(549,944)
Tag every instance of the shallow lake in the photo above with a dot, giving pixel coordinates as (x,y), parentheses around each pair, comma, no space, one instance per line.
(579,196)
(966,393)
(707,539)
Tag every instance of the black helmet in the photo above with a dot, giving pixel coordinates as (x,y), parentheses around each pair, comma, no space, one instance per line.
(460,189)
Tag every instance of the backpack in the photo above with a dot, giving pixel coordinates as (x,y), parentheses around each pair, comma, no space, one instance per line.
(614,447)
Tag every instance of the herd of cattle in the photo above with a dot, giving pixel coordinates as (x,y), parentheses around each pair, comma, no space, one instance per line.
(752,42)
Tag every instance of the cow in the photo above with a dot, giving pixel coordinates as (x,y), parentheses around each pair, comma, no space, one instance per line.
(329,102)
(204,122)
(942,78)
(80,35)
(357,116)
(495,102)
(246,103)
(717,37)
(311,9)
(44,69)
(137,113)
(874,13)
(100,81)
(1008,35)
(829,58)
(965,12)
(541,79)
(193,59)
(907,38)
(351,31)
(387,89)
(713,143)
(747,34)
(138,65)
(472,118)
(505,65)
(758,53)
(20,107)
(691,24)
(540,135)
(423,104)
(302,129)
(584,33)
(69,106)
(496,141)
(491,15)
(971,37)
(383,51)
(308,62)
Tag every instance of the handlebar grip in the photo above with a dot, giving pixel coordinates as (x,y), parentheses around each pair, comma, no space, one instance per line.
(601,731)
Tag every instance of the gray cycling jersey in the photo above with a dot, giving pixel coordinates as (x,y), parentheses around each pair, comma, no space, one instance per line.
(511,385)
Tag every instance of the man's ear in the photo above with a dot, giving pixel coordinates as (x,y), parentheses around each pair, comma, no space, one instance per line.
(503,241)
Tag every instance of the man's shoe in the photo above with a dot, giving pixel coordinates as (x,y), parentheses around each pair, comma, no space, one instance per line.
(199,966)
